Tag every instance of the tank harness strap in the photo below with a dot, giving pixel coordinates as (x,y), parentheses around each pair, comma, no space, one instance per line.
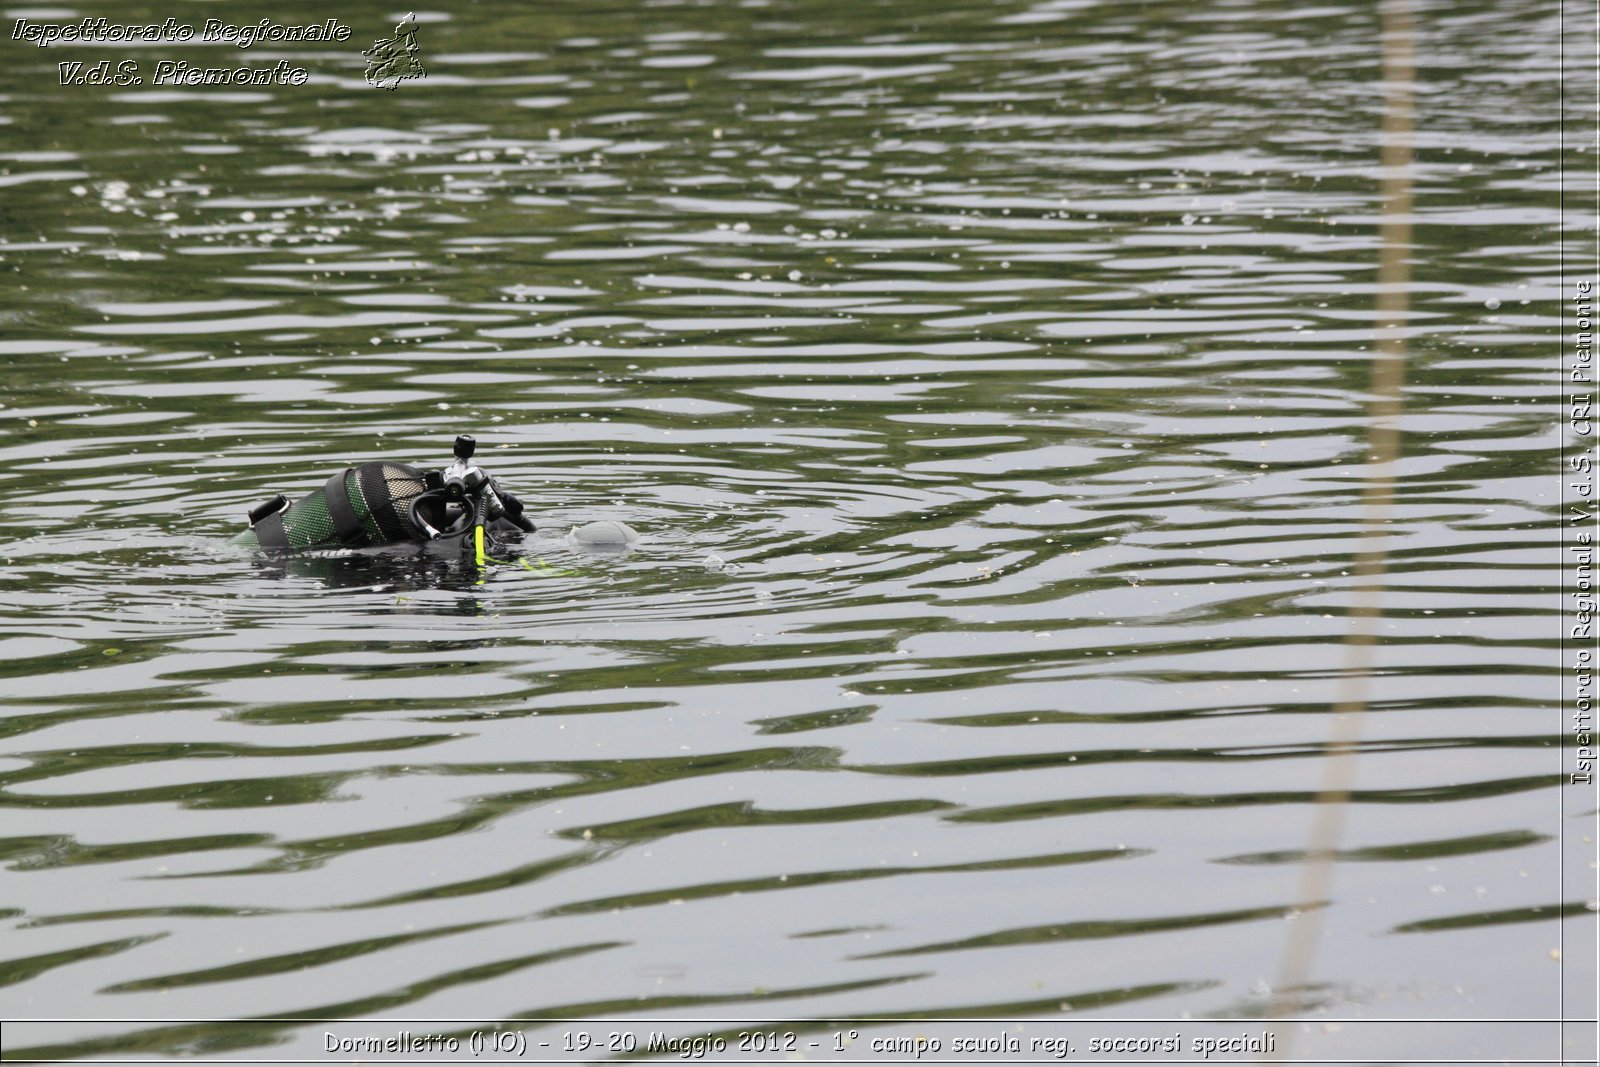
(269,507)
(380,503)
(271,534)
(345,523)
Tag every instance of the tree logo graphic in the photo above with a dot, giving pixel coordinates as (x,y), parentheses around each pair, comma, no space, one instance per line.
(394,59)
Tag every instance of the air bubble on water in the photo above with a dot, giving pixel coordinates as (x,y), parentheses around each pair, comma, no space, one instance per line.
(1492,304)
(1188,220)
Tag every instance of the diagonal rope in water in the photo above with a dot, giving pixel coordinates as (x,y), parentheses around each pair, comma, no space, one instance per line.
(1377,499)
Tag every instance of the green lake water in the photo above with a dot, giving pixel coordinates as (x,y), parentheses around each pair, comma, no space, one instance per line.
(990,383)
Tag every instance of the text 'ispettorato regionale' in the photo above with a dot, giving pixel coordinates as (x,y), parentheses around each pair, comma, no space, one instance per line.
(171,31)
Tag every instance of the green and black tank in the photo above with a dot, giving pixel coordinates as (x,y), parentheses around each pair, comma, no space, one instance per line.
(358,507)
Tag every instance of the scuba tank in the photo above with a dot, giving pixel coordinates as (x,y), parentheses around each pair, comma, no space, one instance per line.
(384,503)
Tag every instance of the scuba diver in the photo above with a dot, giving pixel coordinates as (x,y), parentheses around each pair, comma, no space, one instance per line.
(461,509)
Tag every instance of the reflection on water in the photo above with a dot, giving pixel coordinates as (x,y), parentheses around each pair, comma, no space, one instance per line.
(990,385)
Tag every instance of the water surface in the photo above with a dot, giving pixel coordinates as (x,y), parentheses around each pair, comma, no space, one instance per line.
(990,382)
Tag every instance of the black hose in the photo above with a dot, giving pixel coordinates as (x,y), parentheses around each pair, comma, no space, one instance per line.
(423,526)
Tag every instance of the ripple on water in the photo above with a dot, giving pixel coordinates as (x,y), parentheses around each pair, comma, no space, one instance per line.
(994,409)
